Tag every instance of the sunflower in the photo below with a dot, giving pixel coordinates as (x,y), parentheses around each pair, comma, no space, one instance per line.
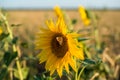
(84,15)
(59,48)
(58,11)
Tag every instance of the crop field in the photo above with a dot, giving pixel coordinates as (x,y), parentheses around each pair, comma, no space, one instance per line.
(101,46)
(30,21)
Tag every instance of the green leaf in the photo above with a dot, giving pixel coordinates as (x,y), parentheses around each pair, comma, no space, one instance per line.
(1,22)
(82,39)
(88,13)
(42,77)
(24,44)
(15,25)
(3,35)
(89,61)
(37,78)
(49,78)
(15,39)
(14,55)
(74,21)
(8,57)
(24,73)
(85,29)
(3,73)
(1,44)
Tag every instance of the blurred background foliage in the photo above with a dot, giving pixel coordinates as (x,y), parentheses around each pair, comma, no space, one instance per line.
(18,59)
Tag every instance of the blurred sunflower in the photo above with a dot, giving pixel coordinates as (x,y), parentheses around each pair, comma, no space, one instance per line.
(58,11)
(84,15)
(1,31)
(59,48)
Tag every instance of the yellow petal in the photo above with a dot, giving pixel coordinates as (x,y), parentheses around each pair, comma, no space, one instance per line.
(45,30)
(50,25)
(54,66)
(82,12)
(72,64)
(74,49)
(86,21)
(52,71)
(73,35)
(66,61)
(42,44)
(59,70)
(84,15)
(61,26)
(1,31)
(51,60)
(67,67)
(77,52)
(43,56)
(58,11)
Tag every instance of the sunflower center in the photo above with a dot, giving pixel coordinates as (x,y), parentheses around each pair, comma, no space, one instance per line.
(59,45)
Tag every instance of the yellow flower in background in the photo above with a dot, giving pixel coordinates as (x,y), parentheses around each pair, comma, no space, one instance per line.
(58,11)
(84,15)
(1,31)
(59,48)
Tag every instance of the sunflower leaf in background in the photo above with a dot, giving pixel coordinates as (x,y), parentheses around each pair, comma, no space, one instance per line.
(3,72)
(3,35)
(43,77)
(15,39)
(82,39)
(9,57)
(16,25)
(89,61)
(74,21)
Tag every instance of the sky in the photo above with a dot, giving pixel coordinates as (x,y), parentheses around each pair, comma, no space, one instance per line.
(49,4)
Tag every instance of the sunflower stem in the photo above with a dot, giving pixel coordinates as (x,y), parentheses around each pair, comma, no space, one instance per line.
(76,75)
(81,72)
